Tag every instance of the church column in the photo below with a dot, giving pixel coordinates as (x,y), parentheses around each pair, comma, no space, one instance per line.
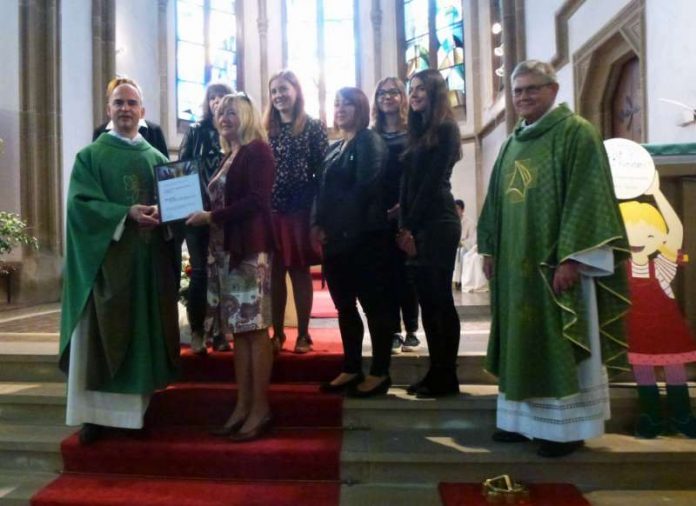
(376,18)
(514,43)
(40,148)
(262,23)
(163,58)
(103,54)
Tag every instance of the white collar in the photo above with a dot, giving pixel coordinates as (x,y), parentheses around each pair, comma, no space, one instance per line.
(135,140)
(141,124)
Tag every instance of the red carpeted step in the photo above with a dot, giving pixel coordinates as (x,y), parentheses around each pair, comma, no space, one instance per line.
(540,494)
(99,490)
(323,306)
(323,364)
(283,454)
(209,404)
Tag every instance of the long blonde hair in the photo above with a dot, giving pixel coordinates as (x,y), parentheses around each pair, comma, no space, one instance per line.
(378,121)
(634,212)
(250,128)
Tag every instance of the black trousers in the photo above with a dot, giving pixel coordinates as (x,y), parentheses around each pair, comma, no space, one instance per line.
(361,273)
(404,297)
(197,300)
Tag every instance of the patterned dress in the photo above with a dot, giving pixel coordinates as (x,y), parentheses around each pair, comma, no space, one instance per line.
(298,160)
(239,300)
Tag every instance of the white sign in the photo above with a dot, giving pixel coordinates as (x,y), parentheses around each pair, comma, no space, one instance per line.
(179,197)
(632,167)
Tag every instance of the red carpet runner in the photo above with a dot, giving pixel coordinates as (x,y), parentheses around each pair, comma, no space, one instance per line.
(179,463)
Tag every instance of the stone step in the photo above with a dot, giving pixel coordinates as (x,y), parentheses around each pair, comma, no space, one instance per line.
(642,497)
(17,488)
(469,455)
(32,403)
(32,448)
(32,367)
(389,494)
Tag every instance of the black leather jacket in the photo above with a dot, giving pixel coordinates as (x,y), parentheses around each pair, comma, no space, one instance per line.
(350,201)
(202,142)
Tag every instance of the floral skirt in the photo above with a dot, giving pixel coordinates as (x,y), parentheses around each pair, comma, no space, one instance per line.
(239,300)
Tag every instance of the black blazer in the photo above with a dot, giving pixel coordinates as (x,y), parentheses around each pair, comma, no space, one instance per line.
(152,134)
(350,200)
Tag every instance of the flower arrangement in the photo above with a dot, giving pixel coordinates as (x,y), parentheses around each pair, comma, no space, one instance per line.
(13,232)
(185,277)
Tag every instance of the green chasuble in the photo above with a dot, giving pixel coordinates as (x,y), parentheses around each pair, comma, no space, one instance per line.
(125,288)
(550,196)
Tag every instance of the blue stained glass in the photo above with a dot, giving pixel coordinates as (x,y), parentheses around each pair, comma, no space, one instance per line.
(189,98)
(450,49)
(190,62)
(417,56)
(338,9)
(447,12)
(223,31)
(223,5)
(415,18)
(189,22)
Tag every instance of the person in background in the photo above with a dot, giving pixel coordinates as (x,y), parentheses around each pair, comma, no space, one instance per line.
(468,237)
(351,223)
(119,337)
(202,142)
(389,112)
(150,131)
(299,143)
(241,247)
(429,226)
(549,227)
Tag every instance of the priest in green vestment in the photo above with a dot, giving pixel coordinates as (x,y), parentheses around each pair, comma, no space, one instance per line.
(119,337)
(554,250)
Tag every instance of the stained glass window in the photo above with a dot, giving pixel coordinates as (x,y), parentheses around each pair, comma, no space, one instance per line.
(497,50)
(321,50)
(433,37)
(206,50)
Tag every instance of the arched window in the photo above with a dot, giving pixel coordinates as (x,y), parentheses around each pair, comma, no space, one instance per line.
(432,36)
(320,47)
(207,38)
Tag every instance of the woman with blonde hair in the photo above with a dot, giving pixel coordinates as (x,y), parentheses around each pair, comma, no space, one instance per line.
(241,250)
(299,143)
(389,113)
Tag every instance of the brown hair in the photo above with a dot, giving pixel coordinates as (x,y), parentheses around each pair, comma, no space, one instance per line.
(271,117)
(118,81)
(362,106)
(377,115)
(423,126)
(212,90)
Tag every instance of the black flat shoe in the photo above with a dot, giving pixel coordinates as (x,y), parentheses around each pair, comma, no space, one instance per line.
(228,429)
(262,428)
(554,449)
(381,389)
(89,433)
(505,436)
(220,343)
(329,388)
(429,391)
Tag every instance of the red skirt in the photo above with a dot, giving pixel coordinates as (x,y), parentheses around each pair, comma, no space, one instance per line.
(294,247)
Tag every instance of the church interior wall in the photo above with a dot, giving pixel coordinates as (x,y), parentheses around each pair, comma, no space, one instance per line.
(76,90)
(670,71)
(137,51)
(9,109)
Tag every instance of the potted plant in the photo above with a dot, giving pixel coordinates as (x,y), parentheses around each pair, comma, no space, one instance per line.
(13,232)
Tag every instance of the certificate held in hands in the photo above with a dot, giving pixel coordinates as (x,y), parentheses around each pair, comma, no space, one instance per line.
(178,190)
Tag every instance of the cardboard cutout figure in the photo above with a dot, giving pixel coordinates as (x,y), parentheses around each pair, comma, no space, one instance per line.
(658,335)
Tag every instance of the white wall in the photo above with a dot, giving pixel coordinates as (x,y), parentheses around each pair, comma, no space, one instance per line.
(540,19)
(670,69)
(137,31)
(9,107)
(76,89)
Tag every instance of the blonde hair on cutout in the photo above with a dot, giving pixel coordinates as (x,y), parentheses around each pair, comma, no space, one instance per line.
(634,212)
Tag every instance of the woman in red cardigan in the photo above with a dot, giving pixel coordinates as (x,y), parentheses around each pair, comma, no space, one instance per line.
(241,250)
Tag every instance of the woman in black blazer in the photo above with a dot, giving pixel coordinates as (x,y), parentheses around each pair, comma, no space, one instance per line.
(430,227)
(351,223)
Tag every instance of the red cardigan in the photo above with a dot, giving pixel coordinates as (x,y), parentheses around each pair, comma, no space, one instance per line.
(246,217)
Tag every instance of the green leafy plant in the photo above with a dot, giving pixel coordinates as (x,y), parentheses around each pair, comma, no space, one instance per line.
(13,232)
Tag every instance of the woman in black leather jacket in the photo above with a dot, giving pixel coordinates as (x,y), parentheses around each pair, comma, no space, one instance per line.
(202,142)
(429,225)
(351,223)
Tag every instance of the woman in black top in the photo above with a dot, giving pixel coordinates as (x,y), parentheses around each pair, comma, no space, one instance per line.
(202,142)
(429,226)
(351,223)
(389,112)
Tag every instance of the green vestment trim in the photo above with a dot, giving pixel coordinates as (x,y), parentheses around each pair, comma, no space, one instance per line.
(550,197)
(133,343)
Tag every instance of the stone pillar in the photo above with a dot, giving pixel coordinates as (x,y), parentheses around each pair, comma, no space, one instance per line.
(40,149)
(103,54)
(376,18)
(163,69)
(262,24)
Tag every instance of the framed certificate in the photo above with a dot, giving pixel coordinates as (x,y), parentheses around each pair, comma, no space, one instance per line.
(179,190)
